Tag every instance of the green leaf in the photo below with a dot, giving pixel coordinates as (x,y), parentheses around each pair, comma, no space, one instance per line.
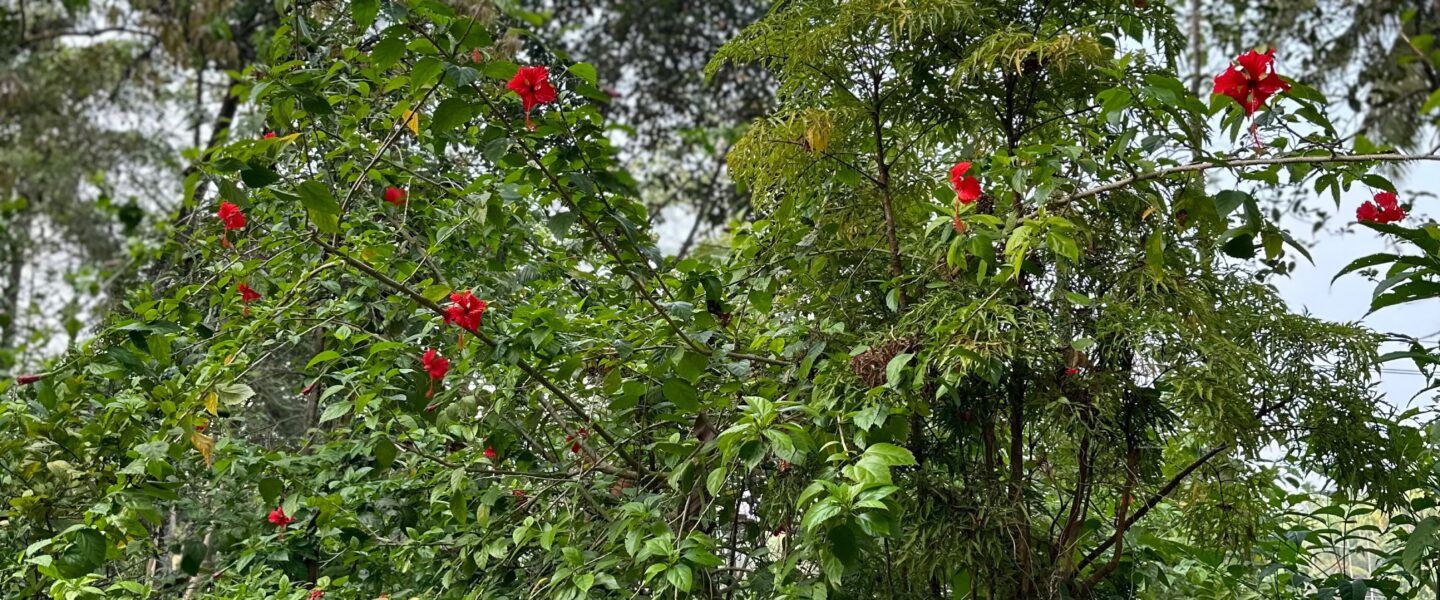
(584,71)
(679,576)
(336,410)
(1421,540)
(889,455)
(364,11)
(233,393)
(322,207)
(387,52)
(192,554)
(1373,260)
(325,356)
(384,453)
(896,368)
(715,480)
(84,555)
(451,113)
(426,72)
(502,70)
(270,489)
(1241,246)
(819,512)
(682,394)
(1227,201)
(258,176)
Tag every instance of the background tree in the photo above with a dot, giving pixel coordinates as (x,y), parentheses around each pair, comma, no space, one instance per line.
(1063,384)
(678,123)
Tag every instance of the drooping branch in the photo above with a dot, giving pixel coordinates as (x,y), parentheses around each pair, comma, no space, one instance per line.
(1154,500)
(1197,167)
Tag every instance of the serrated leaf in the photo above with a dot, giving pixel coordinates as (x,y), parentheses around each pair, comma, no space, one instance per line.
(584,71)
(681,393)
(364,12)
(451,113)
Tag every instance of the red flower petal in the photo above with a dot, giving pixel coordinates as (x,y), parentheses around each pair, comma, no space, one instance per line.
(968,190)
(1257,65)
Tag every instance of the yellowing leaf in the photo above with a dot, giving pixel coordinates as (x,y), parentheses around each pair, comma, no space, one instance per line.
(212,403)
(412,121)
(231,358)
(1146,214)
(205,444)
(289,138)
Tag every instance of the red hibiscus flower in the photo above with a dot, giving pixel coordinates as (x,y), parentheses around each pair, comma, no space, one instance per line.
(532,84)
(28,379)
(1252,82)
(395,196)
(575,448)
(466,310)
(230,216)
(436,366)
(490,452)
(1071,372)
(967,189)
(269,135)
(247,295)
(279,519)
(1385,208)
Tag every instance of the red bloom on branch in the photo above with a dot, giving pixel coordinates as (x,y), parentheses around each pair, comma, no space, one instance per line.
(395,196)
(575,448)
(278,517)
(247,295)
(230,216)
(490,452)
(269,135)
(532,84)
(28,379)
(317,594)
(1071,372)
(967,189)
(466,310)
(436,366)
(1385,208)
(1252,82)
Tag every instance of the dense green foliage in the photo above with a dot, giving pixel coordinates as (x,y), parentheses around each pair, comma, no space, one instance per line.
(1074,387)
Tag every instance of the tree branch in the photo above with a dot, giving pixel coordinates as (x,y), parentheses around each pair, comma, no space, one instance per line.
(1153,501)
(1197,167)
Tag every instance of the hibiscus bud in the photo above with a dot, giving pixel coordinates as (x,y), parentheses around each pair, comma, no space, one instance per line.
(28,379)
